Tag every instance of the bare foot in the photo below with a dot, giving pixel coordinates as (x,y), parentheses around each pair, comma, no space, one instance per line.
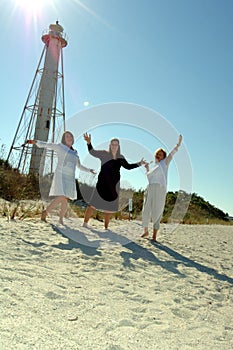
(145,234)
(44,215)
(154,234)
(61,222)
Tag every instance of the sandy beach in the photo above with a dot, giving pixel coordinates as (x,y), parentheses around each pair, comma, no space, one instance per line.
(112,290)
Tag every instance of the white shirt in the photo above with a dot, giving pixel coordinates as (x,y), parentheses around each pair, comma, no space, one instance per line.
(158,174)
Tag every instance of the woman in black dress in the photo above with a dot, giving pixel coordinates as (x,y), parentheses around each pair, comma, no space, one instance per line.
(106,194)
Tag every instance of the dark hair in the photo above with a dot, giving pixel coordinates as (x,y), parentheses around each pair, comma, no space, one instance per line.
(119,148)
(63,138)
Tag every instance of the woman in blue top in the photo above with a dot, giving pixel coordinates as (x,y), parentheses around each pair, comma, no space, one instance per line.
(63,185)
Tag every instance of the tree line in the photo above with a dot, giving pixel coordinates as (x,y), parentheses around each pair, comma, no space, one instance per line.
(15,186)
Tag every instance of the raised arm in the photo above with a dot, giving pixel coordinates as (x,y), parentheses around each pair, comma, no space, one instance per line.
(174,150)
(87,138)
(92,151)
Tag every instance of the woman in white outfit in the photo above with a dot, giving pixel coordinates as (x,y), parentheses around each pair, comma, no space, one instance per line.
(63,185)
(155,193)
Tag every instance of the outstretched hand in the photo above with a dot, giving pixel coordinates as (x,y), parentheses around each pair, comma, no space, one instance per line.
(147,166)
(143,162)
(180,140)
(87,138)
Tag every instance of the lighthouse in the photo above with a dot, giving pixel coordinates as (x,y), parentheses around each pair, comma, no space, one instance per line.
(43,116)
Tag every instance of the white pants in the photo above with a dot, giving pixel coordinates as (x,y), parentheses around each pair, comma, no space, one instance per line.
(153,205)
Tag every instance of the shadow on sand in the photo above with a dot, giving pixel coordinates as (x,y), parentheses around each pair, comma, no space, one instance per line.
(135,251)
(79,241)
(190,263)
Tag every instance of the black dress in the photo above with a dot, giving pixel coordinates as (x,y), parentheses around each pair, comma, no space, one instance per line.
(105,195)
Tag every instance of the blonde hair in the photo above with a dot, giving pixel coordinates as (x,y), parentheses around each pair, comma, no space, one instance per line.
(161,150)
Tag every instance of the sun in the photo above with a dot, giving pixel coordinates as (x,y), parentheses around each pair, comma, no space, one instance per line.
(30,5)
(32,10)
(35,10)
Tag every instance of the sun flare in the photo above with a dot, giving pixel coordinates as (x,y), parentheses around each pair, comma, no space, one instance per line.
(29,5)
(32,10)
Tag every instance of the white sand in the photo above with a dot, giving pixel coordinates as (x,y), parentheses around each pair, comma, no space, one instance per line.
(60,294)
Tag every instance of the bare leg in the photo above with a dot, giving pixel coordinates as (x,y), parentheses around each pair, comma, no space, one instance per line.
(54,203)
(106,219)
(51,206)
(154,234)
(64,204)
(88,213)
(146,233)
(44,215)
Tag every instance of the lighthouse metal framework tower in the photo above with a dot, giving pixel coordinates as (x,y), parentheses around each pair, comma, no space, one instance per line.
(43,116)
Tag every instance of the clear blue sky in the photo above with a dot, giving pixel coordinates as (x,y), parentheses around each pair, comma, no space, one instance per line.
(174,56)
